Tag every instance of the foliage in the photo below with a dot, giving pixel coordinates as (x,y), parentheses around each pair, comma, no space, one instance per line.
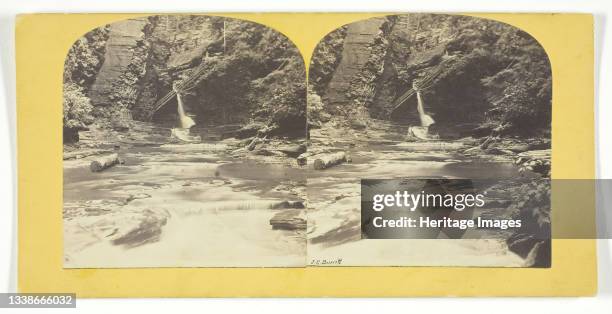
(252,73)
(487,72)
(81,66)
(519,110)
(328,52)
(316,114)
(260,78)
(490,72)
(85,57)
(517,80)
(77,107)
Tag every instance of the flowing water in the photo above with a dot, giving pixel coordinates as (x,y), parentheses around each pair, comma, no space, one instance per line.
(186,123)
(177,204)
(426,120)
(422,131)
(181,204)
(334,234)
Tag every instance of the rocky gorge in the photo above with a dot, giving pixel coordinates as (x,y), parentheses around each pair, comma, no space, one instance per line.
(269,175)
(143,188)
(486,88)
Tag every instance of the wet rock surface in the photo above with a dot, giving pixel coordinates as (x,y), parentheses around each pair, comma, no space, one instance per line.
(192,201)
(289,220)
(380,151)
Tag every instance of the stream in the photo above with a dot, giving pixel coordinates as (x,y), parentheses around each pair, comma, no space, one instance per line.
(334,230)
(176,204)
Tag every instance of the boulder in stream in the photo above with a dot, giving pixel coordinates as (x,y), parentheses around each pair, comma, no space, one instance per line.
(536,252)
(358,124)
(302,159)
(292,219)
(292,150)
(288,204)
(419,133)
(146,227)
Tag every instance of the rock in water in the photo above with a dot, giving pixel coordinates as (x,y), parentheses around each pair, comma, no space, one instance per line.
(183,135)
(358,124)
(325,161)
(147,230)
(288,204)
(539,256)
(292,150)
(302,159)
(419,132)
(292,219)
(536,252)
(104,162)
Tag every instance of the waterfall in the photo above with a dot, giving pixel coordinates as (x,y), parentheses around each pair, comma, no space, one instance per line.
(186,122)
(422,131)
(426,120)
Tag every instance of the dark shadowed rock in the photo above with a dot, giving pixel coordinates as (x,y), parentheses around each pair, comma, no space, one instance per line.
(302,159)
(358,124)
(288,204)
(263,152)
(293,150)
(120,125)
(147,231)
(71,135)
(536,252)
(292,219)
(522,243)
(518,148)
(249,130)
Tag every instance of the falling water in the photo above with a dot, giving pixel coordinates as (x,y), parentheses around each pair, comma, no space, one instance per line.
(182,133)
(186,121)
(421,132)
(426,120)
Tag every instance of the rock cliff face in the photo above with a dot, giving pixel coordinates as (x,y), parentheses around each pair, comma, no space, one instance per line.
(124,38)
(484,74)
(248,73)
(416,45)
(176,46)
(139,54)
(356,52)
